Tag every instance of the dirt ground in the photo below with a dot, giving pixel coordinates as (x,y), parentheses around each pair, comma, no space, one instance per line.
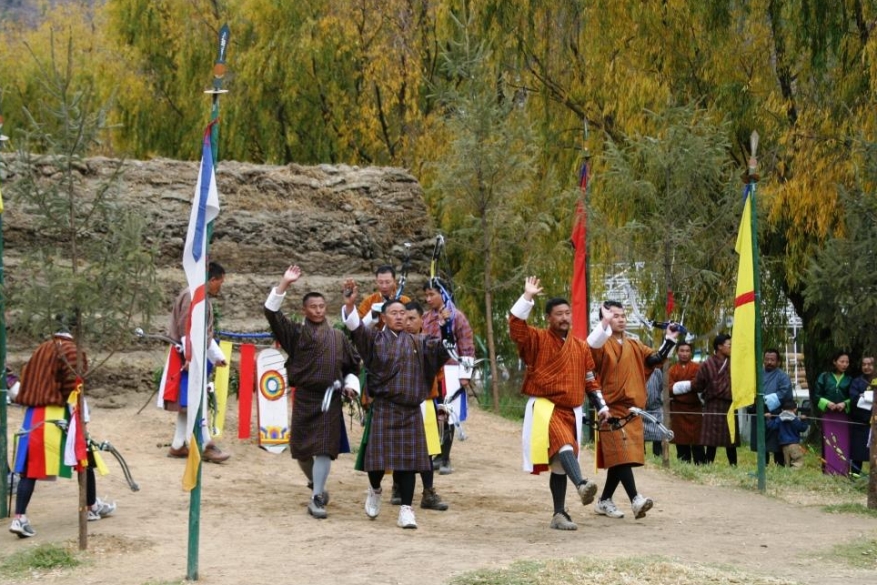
(255,527)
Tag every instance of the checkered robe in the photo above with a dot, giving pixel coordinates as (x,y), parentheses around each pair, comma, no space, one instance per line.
(623,371)
(686,412)
(318,356)
(557,369)
(713,380)
(654,406)
(401,369)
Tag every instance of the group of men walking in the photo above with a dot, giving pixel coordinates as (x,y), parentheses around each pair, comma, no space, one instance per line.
(403,368)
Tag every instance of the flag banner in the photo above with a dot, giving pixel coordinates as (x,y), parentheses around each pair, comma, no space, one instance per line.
(743,375)
(579,287)
(220,388)
(205,208)
(246,382)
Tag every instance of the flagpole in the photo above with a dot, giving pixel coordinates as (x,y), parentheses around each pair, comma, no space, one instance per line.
(4,466)
(752,178)
(195,494)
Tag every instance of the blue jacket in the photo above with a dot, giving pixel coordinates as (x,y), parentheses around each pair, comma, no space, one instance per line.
(790,427)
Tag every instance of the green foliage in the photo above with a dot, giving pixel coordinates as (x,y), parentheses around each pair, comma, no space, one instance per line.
(805,486)
(842,276)
(45,557)
(89,259)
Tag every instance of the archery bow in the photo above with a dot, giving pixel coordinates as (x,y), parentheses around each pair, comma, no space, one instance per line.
(649,323)
(447,329)
(616,423)
(403,272)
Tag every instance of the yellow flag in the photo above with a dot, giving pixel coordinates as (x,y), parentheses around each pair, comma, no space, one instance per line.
(1,202)
(743,346)
(190,475)
(220,388)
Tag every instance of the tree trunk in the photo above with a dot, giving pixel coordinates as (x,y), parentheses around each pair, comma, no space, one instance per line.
(488,312)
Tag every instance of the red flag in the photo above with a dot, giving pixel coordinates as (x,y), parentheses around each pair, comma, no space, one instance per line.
(579,271)
(671,303)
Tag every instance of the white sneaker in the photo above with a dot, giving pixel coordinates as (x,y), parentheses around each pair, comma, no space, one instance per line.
(21,527)
(607,508)
(641,505)
(373,503)
(92,516)
(103,508)
(406,517)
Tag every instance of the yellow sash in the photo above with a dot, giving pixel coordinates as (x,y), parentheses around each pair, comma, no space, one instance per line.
(542,410)
(220,387)
(430,426)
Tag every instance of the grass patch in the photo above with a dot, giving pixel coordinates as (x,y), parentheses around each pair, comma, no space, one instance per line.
(859,555)
(42,558)
(807,486)
(636,571)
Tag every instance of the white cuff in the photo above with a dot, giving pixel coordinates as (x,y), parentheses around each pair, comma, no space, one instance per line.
(467,364)
(772,401)
(599,336)
(602,410)
(351,321)
(352,381)
(522,308)
(214,353)
(274,300)
(681,388)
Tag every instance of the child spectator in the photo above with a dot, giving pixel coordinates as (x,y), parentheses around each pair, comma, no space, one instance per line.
(790,427)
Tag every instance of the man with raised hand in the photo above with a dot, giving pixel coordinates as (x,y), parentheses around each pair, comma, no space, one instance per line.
(400,367)
(623,364)
(560,373)
(320,357)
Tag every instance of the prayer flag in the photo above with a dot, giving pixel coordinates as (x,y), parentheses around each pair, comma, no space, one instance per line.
(743,375)
(205,208)
(579,288)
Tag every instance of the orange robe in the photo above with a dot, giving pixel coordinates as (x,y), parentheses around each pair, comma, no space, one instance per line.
(365,306)
(686,412)
(557,369)
(623,373)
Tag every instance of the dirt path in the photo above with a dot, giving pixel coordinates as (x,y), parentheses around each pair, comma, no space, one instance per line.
(255,528)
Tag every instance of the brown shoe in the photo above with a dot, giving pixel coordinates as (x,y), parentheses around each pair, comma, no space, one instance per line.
(212,454)
(180,453)
(432,501)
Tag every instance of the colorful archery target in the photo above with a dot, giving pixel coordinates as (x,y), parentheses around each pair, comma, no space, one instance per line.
(272,407)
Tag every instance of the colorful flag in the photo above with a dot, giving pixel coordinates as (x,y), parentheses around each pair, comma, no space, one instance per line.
(743,375)
(205,208)
(579,288)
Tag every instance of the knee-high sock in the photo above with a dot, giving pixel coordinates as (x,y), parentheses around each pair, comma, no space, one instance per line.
(557,483)
(427,477)
(625,476)
(26,486)
(612,480)
(405,480)
(683,453)
(570,465)
(90,487)
(447,442)
(307,466)
(732,455)
(322,464)
(180,436)
(709,454)
(375,477)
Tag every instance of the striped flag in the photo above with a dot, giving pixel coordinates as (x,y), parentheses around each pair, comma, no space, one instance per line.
(743,375)
(205,208)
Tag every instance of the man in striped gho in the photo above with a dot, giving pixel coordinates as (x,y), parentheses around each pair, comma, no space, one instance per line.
(560,373)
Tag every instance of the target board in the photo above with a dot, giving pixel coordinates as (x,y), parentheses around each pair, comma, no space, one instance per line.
(271,391)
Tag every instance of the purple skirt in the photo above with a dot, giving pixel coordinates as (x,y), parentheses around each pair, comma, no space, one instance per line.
(836,443)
